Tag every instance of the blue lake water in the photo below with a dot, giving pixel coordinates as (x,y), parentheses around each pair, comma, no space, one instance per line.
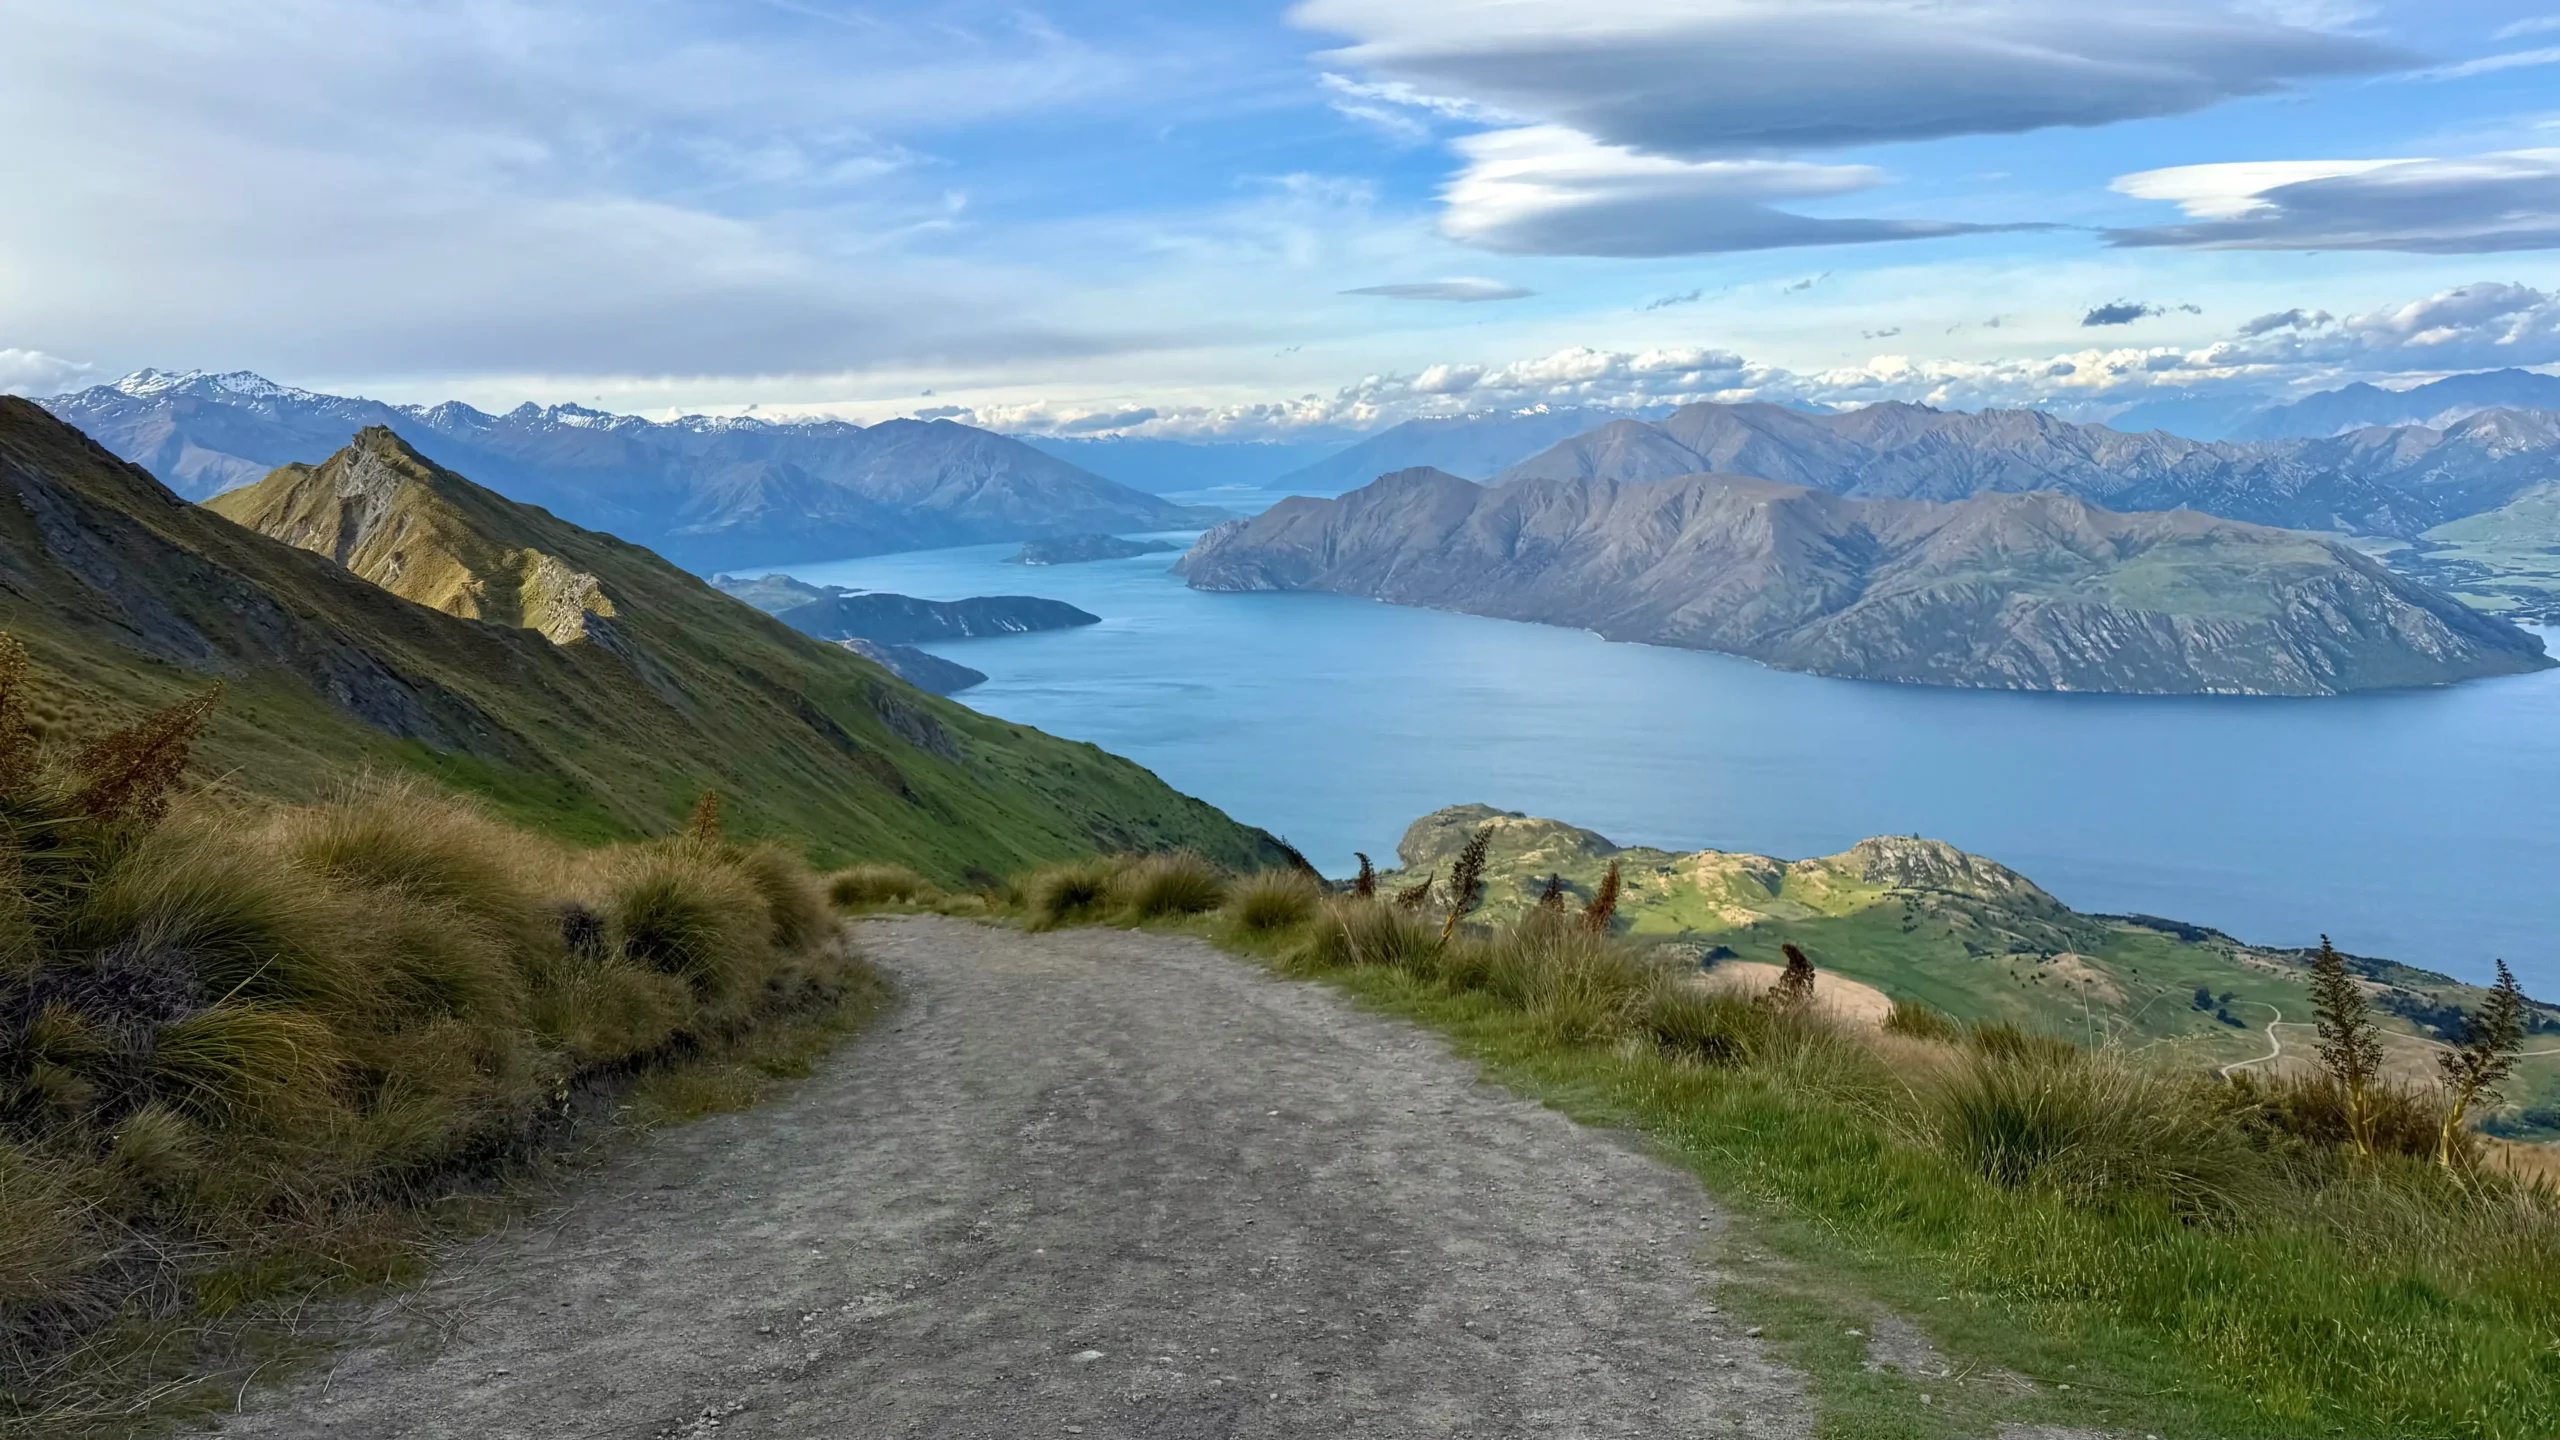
(2422,825)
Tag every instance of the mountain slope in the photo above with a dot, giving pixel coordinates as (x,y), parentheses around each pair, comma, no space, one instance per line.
(2031,591)
(2395,482)
(705,492)
(134,597)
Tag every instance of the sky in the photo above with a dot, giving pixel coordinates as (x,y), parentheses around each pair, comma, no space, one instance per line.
(1276,220)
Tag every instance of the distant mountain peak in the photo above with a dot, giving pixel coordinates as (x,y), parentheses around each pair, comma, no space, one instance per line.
(146,383)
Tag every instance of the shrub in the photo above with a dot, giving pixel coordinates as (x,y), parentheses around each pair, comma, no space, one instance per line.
(1176,884)
(857,886)
(1273,900)
(1064,894)
(1921,1022)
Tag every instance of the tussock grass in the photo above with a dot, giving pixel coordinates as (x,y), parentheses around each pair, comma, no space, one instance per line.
(1921,1022)
(241,1048)
(2208,1256)
(1066,894)
(858,887)
(1169,885)
(1274,900)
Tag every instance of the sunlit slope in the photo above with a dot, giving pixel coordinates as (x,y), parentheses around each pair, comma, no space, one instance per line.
(662,689)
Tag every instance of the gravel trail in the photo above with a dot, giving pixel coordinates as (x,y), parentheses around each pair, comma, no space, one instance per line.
(1090,1183)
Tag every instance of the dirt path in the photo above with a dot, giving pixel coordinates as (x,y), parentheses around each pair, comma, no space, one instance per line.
(1093,1183)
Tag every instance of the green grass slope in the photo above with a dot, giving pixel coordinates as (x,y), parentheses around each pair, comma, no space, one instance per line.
(2506,561)
(1923,921)
(130,598)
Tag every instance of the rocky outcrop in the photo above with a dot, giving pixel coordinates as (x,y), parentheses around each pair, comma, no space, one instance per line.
(386,513)
(2028,591)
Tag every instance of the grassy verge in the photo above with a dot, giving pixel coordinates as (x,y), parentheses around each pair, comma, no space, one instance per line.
(252,1055)
(2086,1235)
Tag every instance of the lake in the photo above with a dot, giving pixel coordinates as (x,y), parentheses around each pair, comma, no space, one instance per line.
(2423,825)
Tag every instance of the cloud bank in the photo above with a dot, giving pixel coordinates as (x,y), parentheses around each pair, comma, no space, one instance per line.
(1642,129)
(2471,327)
(2484,204)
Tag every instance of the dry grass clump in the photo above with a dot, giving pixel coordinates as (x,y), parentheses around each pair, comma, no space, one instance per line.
(2099,1128)
(228,1034)
(1922,1022)
(1175,884)
(857,887)
(1070,893)
(1273,900)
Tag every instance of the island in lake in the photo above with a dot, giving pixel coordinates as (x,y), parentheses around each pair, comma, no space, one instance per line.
(885,628)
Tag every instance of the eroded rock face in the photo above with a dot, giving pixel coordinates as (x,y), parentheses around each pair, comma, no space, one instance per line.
(2033,591)
(384,512)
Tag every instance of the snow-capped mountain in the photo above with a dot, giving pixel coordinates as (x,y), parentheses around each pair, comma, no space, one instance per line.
(707,491)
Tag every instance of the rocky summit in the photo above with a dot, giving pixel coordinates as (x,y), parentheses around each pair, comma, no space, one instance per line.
(2025,591)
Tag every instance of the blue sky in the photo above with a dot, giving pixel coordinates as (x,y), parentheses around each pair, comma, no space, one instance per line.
(1258,219)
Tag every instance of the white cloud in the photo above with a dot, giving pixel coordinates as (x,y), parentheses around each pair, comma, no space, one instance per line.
(2491,64)
(377,187)
(1468,290)
(2469,327)
(1744,76)
(1549,190)
(2470,205)
(33,372)
(2228,191)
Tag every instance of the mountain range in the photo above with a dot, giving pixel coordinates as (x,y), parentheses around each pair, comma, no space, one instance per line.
(2397,482)
(706,492)
(2436,404)
(2037,591)
(402,618)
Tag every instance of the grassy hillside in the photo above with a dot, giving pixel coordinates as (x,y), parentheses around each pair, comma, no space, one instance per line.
(2505,561)
(131,598)
(1923,921)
